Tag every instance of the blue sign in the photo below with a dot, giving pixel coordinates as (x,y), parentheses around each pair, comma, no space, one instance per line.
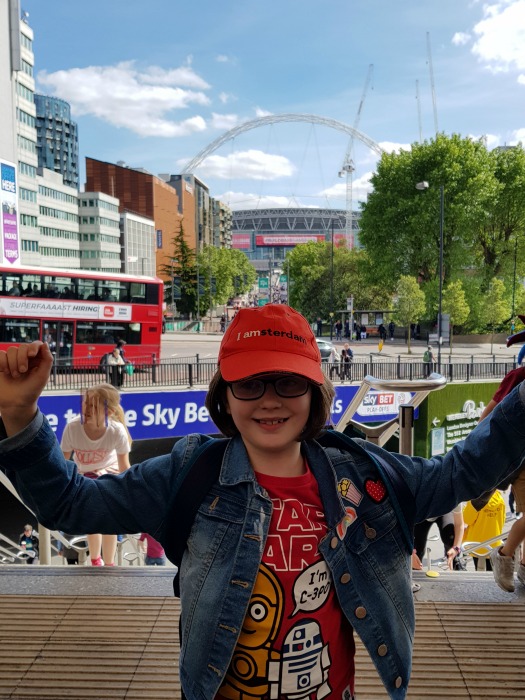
(161,414)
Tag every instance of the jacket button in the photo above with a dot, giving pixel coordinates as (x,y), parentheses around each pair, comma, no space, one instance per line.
(345,578)
(360,613)
(399,682)
(370,533)
(382,650)
(333,542)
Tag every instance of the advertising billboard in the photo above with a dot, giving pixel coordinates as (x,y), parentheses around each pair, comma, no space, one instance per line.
(10,230)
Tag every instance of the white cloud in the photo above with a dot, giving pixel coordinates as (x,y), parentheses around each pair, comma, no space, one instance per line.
(126,97)
(224,121)
(248,165)
(247,200)
(226,97)
(460,38)
(491,140)
(518,136)
(262,112)
(501,36)
(222,58)
(521,79)
(360,188)
(391,146)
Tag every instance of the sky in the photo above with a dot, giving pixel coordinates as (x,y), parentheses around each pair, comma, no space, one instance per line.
(154,83)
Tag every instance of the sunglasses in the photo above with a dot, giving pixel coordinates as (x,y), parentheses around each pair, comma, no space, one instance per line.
(287,387)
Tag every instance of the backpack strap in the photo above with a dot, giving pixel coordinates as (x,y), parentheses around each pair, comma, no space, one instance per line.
(398,491)
(202,472)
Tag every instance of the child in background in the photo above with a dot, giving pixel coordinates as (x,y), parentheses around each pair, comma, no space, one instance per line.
(485,524)
(28,541)
(155,555)
(297,546)
(100,443)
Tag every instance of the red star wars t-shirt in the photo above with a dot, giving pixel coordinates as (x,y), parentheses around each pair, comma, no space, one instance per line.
(295,642)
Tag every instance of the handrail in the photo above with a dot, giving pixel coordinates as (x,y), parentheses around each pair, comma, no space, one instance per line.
(380,434)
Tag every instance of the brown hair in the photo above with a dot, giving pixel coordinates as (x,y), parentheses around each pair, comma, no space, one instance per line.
(320,406)
(106,393)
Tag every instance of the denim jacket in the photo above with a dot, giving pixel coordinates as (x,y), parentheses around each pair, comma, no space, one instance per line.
(365,546)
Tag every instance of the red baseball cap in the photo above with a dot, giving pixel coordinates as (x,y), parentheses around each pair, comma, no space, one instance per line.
(270,338)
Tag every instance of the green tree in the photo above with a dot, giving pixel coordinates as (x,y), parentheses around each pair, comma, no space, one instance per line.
(455,305)
(225,265)
(494,308)
(181,263)
(410,304)
(315,291)
(400,226)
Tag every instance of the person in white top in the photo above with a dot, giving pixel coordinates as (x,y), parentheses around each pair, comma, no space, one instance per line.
(100,443)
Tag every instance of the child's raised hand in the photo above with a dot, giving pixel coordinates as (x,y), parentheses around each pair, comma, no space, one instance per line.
(24,372)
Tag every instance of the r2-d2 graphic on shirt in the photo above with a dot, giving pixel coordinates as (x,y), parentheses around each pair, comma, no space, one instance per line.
(303,667)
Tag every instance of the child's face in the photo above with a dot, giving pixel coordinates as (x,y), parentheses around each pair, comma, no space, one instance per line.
(271,423)
(93,410)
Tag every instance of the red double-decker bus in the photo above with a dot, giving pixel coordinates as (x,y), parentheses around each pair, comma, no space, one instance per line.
(81,315)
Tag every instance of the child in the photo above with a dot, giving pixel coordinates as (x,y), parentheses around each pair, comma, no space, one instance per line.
(28,541)
(296,545)
(485,524)
(100,443)
(154,551)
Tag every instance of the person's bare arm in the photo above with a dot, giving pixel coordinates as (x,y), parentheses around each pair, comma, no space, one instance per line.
(488,409)
(24,372)
(123,462)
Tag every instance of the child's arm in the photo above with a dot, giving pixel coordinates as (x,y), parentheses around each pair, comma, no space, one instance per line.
(123,462)
(24,372)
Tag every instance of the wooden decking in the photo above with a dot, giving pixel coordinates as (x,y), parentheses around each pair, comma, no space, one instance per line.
(86,647)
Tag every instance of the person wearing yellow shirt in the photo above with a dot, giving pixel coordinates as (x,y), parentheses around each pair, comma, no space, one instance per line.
(485,524)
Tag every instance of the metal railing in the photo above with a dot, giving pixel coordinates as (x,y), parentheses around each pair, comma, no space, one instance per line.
(192,371)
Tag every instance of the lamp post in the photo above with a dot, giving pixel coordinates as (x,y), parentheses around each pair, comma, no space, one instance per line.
(424,186)
(332,281)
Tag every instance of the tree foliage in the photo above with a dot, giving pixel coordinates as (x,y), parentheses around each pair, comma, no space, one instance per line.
(495,309)
(455,305)
(315,291)
(410,304)
(484,211)
(181,263)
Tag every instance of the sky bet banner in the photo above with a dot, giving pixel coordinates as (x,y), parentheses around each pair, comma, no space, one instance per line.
(159,414)
(9,222)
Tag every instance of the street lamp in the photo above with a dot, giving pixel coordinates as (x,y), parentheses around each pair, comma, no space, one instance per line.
(332,282)
(424,186)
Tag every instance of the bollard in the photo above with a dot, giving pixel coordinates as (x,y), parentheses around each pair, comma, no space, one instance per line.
(406,429)
(44,545)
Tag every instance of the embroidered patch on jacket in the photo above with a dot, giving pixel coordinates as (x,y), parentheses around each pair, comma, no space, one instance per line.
(349,491)
(375,489)
(345,522)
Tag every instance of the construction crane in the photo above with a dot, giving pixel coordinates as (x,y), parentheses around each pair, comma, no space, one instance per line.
(348,168)
(432,83)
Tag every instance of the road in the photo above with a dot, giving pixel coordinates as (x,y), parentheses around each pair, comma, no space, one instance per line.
(206,345)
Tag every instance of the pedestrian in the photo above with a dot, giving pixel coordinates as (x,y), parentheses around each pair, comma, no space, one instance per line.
(100,443)
(116,368)
(391,329)
(382,332)
(451,529)
(28,542)
(121,348)
(155,554)
(428,360)
(297,545)
(347,357)
(339,329)
(347,329)
(483,525)
(222,323)
(319,327)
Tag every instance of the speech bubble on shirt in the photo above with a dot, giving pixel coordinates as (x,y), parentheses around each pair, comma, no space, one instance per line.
(312,587)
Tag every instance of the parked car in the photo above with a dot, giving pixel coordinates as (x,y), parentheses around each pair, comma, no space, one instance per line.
(326,347)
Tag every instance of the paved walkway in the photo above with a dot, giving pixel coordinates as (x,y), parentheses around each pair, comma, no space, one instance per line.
(82,634)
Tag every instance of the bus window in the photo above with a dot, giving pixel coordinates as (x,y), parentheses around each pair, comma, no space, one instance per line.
(85,333)
(64,287)
(13,286)
(19,330)
(152,294)
(133,336)
(109,333)
(86,289)
(138,292)
(109,290)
